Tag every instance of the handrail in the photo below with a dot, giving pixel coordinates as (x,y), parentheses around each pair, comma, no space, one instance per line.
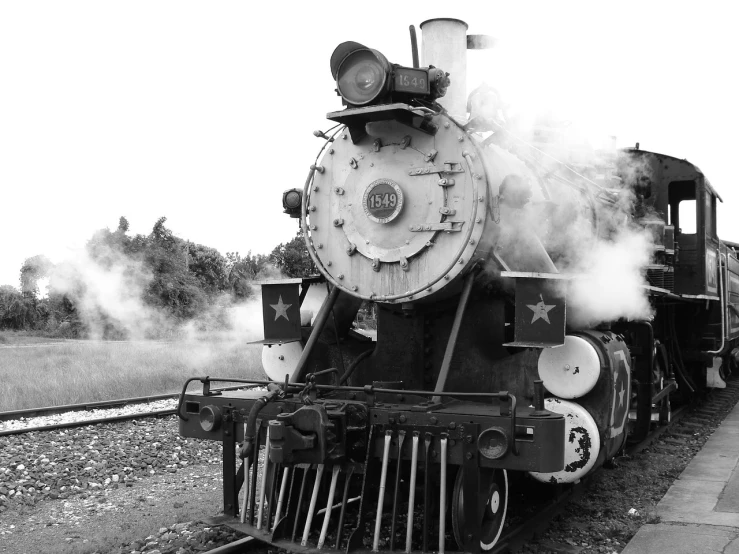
(722,300)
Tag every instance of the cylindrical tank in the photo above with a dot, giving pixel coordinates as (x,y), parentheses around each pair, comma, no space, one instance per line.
(592,368)
(445,47)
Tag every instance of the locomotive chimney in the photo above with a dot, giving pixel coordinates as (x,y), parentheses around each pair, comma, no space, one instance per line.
(445,46)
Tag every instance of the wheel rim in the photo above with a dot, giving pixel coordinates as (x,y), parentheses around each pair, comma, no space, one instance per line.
(493,504)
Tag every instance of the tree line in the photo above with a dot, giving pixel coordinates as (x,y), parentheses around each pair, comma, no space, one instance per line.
(177,277)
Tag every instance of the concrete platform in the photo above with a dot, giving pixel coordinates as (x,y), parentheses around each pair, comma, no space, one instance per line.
(700,512)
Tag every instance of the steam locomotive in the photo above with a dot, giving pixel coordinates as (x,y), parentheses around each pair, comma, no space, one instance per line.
(512,342)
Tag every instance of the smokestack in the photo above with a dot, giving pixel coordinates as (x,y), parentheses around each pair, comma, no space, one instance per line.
(445,47)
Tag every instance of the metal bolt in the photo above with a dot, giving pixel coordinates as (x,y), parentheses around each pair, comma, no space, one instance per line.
(320,245)
(446,125)
(478,220)
(313,227)
(343,137)
(481,199)
(460,138)
(338,222)
(472,241)
(430,289)
(313,208)
(447,277)
(315,189)
(468,455)
(372,164)
(433,420)
(328,263)
(280,357)
(452,426)
(468,439)
(331,151)
(354,288)
(478,176)
(461,261)
(403,419)
(341,275)
(339,190)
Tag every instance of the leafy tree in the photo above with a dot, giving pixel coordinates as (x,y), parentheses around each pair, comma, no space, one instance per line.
(292,258)
(243,270)
(209,267)
(32,270)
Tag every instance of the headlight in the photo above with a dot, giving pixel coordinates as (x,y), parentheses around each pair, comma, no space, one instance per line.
(291,202)
(362,77)
(361,73)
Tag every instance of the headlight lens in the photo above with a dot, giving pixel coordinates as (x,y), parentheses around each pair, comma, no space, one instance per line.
(292,200)
(361,77)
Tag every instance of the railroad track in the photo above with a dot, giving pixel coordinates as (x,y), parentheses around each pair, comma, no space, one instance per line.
(88,406)
(518,536)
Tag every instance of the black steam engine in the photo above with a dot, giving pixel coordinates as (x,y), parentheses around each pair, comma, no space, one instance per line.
(487,368)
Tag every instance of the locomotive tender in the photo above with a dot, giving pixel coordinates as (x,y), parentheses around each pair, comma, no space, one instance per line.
(489,365)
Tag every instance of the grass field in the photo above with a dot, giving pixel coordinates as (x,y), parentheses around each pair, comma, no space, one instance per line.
(36,372)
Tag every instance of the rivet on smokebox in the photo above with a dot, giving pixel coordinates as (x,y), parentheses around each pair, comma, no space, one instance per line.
(329,263)
(315,189)
(433,420)
(320,245)
(472,241)
(339,190)
(446,125)
(351,249)
(481,199)
(338,222)
(340,275)
(478,220)
(460,138)
(313,227)
(331,151)
(461,261)
(313,208)
(343,137)
(354,288)
(447,277)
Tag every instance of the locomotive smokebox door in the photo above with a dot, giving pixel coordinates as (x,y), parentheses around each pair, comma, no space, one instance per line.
(540,311)
(281,310)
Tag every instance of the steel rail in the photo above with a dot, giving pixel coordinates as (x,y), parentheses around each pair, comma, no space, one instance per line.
(102,404)
(86,422)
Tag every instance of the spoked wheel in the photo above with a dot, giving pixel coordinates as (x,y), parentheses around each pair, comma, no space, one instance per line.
(492,504)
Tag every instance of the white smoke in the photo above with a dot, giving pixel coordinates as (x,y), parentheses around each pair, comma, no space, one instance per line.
(584,216)
(109,296)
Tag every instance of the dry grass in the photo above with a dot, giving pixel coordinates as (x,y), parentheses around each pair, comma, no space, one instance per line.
(69,372)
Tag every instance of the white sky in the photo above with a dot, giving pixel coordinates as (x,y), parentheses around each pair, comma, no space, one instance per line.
(203,112)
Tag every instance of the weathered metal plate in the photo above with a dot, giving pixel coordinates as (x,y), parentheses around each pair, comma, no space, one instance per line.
(540,314)
(571,370)
(281,312)
(279,360)
(582,442)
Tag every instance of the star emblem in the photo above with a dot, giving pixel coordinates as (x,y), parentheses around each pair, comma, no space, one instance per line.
(280,309)
(540,310)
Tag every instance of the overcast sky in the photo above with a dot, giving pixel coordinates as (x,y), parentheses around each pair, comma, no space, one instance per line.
(203,112)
